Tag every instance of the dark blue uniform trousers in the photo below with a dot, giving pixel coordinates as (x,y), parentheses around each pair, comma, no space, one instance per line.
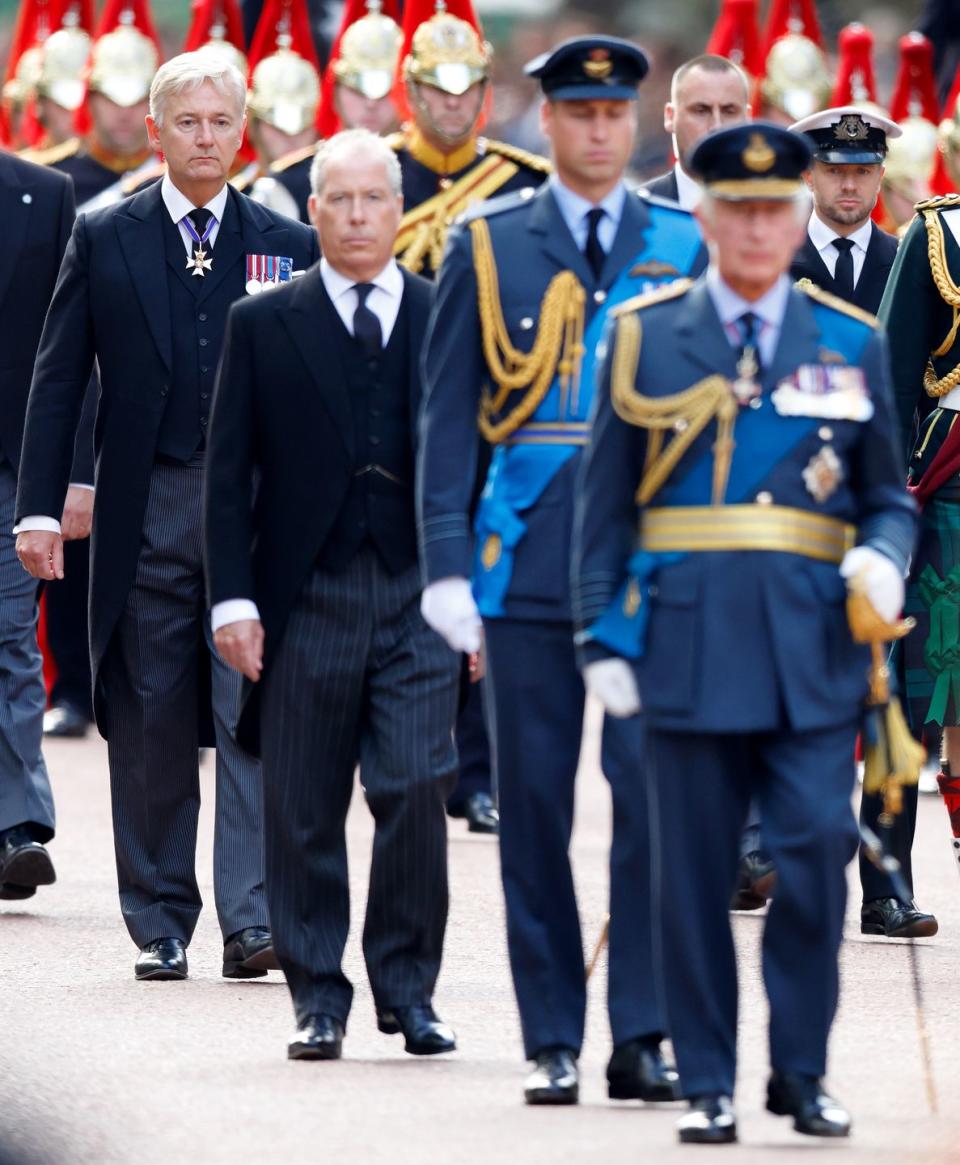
(535,702)
(701,786)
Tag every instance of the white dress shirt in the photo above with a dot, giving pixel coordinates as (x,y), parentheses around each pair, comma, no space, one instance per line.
(178,207)
(769,309)
(384,302)
(689,191)
(574,209)
(822,236)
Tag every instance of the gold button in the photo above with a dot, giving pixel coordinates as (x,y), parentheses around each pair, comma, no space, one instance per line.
(764,498)
(526,323)
(825,433)
(599,296)
(680,425)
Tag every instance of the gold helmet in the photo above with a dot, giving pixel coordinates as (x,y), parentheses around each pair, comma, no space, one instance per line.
(23,84)
(285,90)
(448,53)
(65,55)
(797,79)
(225,49)
(912,156)
(369,51)
(123,63)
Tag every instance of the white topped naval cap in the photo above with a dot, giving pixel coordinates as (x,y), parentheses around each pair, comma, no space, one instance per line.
(849,134)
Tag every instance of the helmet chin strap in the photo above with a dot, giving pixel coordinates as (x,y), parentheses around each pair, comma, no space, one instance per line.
(416,100)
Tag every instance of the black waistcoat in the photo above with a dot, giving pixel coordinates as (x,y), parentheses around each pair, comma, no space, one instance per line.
(198,319)
(379,506)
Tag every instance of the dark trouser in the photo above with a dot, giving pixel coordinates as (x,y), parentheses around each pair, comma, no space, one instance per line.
(702,786)
(358,677)
(536,706)
(67,635)
(897,840)
(25,796)
(473,747)
(151,683)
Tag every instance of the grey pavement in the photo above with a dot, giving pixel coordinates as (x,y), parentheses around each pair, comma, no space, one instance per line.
(96,1068)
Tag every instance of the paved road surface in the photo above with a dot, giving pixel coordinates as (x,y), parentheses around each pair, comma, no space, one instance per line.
(96,1068)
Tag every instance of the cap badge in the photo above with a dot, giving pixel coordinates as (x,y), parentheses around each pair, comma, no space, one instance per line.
(759,156)
(598,65)
(851,128)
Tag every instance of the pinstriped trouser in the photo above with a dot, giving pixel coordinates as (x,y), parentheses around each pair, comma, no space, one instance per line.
(358,677)
(150,680)
(25,795)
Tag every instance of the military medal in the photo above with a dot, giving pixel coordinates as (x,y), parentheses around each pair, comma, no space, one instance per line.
(745,387)
(265,271)
(201,261)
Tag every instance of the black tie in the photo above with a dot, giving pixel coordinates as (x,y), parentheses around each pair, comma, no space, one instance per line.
(594,252)
(749,326)
(200,217)
(843,276)
(366,324)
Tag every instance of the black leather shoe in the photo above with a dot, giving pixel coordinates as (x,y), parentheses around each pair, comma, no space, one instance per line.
(319,1037)
(23,861)
(710,1121)
(164,958)
(813,1111)
(65,721)
(424,1032)
(10,892)
(248,954)
(481,814)
(555,1079)
(756,879)
(895,919)
(638,1071)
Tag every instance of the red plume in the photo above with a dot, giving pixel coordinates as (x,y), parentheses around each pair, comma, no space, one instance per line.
(855,81)
(327,121)
(915,91)
(208,14)
(736,35)
(786,16)
(111,15)
(283,16)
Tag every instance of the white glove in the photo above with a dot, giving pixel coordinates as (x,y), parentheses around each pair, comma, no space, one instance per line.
(883,582)
(448,607)
(613,683)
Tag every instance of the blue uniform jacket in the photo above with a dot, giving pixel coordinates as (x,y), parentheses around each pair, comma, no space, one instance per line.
(531,245)
(743,641)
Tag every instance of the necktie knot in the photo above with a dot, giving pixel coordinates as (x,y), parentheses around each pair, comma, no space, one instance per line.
(748,326)
(362,290)
(200,218)
(594,252)
(843,245)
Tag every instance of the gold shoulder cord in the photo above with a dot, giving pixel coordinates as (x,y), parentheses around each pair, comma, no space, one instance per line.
(950,294)
(687,413)
(558,347)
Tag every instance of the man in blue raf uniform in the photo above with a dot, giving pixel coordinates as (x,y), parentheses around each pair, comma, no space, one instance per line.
(523,289)
(743,443)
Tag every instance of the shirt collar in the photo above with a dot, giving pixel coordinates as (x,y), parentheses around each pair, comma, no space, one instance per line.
(389,280)
(689,191)
(770,307)
(822,235)
(574,207)
(178,205)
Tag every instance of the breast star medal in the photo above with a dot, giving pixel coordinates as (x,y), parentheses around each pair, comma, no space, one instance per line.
(823,474)
(745,387)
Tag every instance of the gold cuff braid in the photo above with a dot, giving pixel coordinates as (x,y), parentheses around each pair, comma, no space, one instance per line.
(557,348)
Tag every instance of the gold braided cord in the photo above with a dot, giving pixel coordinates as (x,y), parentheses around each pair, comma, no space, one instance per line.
(950,294)
(557,349)
(686,413)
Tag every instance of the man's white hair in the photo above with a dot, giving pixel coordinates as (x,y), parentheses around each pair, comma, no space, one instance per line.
(191,70)
(353,143)
(802,203)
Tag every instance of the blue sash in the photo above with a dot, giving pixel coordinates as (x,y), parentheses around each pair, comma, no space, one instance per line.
(769,439)
(524,466)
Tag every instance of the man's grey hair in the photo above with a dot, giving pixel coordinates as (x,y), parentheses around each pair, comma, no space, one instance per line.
(353,143)
(802,202)
(708,63)
(191,70)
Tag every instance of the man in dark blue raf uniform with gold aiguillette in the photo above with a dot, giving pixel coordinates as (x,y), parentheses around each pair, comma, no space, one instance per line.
(742,465)
(524,287)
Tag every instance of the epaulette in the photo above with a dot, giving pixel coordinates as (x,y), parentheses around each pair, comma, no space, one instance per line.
(396,141)
(648,298)
(661,203)
(491,206)
(137,178)
(838,304)
(295,156)
(940,202)
(522,157)
(52,154)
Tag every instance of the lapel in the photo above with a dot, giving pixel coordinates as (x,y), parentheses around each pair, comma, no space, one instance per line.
(814,266)
(139,226)
(15,214)
(799,336)
(309,322)
(874,272)
(701,336)
(627,241)
(547,223)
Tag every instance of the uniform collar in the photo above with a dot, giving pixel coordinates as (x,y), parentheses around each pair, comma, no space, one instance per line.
(573,206)
(822,235)
(437,161)
(770,307)
(689,191)
(118,163)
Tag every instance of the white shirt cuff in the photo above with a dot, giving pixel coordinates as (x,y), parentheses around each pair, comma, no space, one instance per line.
(81,485)
(37,522)
(232,611)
